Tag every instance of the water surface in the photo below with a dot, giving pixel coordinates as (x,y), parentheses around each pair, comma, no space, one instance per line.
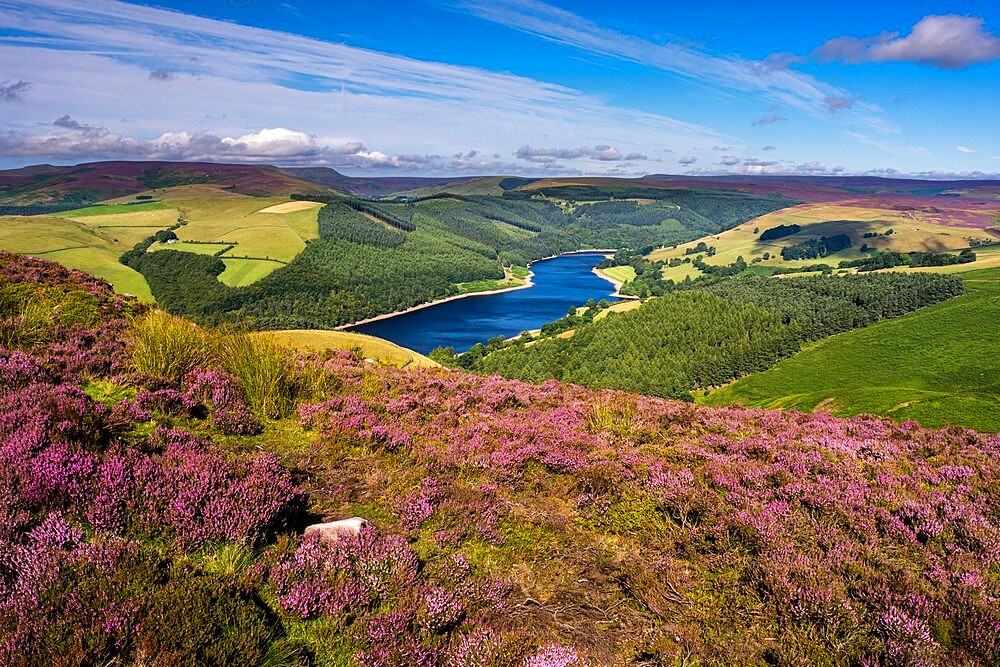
(560,282)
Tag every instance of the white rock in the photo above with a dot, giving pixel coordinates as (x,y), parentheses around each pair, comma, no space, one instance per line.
(334,530)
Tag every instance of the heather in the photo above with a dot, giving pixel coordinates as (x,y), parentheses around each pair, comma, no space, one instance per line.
(158,520)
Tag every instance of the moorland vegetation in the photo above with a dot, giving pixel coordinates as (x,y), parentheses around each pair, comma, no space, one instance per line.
(155,479)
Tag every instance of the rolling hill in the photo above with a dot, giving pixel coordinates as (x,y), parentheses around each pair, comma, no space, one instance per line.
(99,181)
(157,480)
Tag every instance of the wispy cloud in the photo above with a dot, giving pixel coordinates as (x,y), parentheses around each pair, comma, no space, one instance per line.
(770,79)
(754,167)
(886,146)
(108,61)
(965,149)
(948,42)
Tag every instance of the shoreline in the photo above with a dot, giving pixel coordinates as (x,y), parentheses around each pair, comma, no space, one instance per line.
(617,283)
(527,284)
(454,297)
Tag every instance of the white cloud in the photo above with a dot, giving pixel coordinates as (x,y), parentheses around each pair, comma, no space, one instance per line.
(963,149)
(688,159)
(603,153)
(98,60)
(947,41)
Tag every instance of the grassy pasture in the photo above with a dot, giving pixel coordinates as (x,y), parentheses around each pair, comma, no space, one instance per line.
(127,237)
(269,242)
(104,265)
(112,209)
(370,346)
(241,272)
(160,218)
(73,245)
(196,248)
(620,307)
(259,227)
(911,232)
(938,365)
(620,273)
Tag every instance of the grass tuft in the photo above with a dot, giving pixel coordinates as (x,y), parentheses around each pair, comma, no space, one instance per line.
(261,366)
(168,347)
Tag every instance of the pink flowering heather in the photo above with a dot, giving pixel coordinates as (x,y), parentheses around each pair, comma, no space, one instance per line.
(517,525)
(230,413)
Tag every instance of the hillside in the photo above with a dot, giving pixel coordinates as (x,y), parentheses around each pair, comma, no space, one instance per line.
(156,481)
(98,181)
(707,334)
(936,366)
(368,186)
(366,258)
(902,224)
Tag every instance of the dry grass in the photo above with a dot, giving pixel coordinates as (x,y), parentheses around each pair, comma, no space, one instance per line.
(369,346)
(290,207)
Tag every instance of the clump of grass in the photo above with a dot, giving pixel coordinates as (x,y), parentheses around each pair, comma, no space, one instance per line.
(23,322)
(29,312)
(262,367)
(168,347)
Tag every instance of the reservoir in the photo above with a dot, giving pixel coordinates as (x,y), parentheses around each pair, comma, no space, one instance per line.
(560,282)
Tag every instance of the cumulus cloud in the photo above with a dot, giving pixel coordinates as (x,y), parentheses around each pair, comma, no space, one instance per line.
(729,160)
(74,140)
(946,41)
(688,159)
(603,153)
(964,149)
(767,120)
(769,147)
(13,92)
(71,140)
(161,75)
(835,104)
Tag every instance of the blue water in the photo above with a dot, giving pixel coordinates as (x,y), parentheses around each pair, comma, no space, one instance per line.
(560,282)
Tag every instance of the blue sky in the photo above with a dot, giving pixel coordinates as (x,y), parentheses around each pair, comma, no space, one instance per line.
(433,87)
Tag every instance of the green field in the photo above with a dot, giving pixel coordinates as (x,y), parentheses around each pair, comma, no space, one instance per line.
(620,273)
(240,272)
(912,231)
(107,266)
(196,248)
(112,209)
(515,277)
(75,245)
(938,365)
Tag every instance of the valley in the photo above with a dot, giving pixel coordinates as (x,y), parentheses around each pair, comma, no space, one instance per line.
(245,246)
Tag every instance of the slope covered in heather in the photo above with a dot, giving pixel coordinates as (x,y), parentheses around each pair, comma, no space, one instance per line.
(155,479)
